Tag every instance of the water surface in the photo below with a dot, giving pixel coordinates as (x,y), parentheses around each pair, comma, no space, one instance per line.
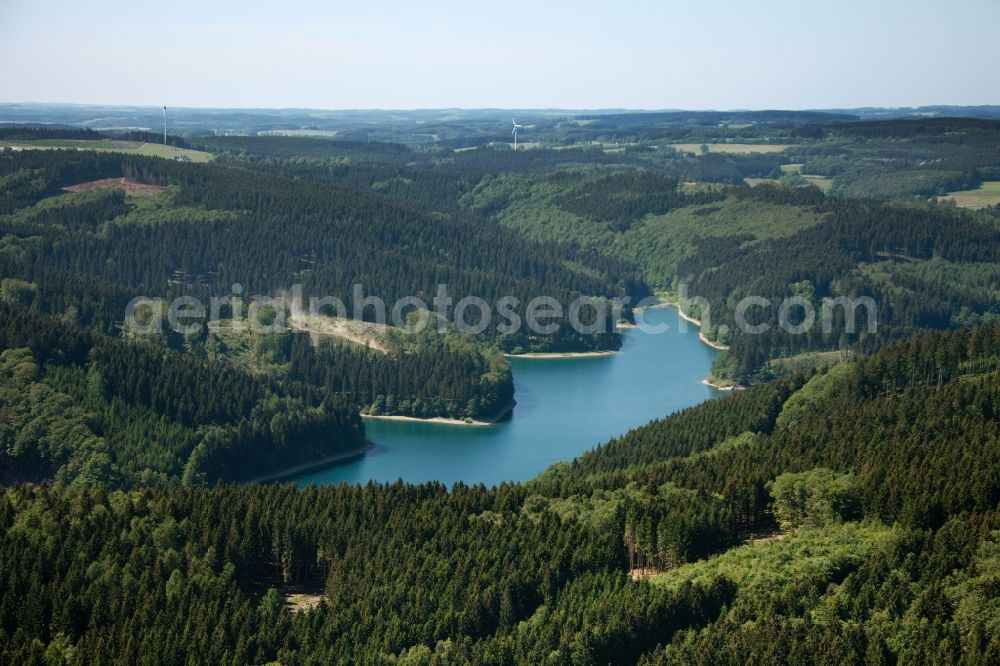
(564,407)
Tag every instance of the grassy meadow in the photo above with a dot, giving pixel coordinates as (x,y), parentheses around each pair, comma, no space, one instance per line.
(112,146)
(987,194)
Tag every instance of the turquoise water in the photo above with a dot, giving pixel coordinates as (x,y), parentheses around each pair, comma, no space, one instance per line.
(564,407)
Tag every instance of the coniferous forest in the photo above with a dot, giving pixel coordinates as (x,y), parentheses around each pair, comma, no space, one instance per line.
(886,552)
(842,507)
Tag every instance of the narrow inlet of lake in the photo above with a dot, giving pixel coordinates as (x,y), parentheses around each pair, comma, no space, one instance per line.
(564,407)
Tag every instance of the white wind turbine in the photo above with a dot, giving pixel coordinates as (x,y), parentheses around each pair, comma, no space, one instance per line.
(516,127)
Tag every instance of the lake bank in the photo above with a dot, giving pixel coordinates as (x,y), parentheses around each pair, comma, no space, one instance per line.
(314,465)
(701,336)
(707,381)
(666,302)
(710,380)
(550,355)
(434,419)
(565,406)
(493,420)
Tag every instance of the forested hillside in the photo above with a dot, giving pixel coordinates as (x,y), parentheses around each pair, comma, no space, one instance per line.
(648,212)
(85,255)
(279,231)
(923,268)
(843,509)
(926,264)
(903,158)
(92,410)
(886,549)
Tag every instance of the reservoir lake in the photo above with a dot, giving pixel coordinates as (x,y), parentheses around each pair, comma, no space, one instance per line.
(565,406)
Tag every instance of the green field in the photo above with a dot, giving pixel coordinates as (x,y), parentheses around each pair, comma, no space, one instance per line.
(987,194)
(112,146)
(757,181)
(822,182)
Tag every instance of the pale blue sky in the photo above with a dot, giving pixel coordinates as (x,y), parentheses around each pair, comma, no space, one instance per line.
(582,54)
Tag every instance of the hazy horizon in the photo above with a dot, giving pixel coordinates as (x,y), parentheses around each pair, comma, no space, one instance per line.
(632,55)
(483,109)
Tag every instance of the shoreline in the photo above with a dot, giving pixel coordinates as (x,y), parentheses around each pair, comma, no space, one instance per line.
(717,387)
(441,420)
(315,465)
(701,336)
(714,345)
(655,306)
(434,419)
(544,355)
(718,346)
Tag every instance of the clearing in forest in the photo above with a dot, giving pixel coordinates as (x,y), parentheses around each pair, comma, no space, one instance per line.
(987,194)
(130,187)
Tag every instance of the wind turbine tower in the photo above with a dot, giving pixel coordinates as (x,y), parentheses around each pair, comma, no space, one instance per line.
(164,125)
(516,127)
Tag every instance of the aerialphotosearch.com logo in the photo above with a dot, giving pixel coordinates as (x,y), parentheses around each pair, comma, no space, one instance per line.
(542,315)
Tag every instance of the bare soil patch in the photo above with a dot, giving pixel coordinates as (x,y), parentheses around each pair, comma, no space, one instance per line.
(764,536)
(130,187)
(644,573)
(299,603)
